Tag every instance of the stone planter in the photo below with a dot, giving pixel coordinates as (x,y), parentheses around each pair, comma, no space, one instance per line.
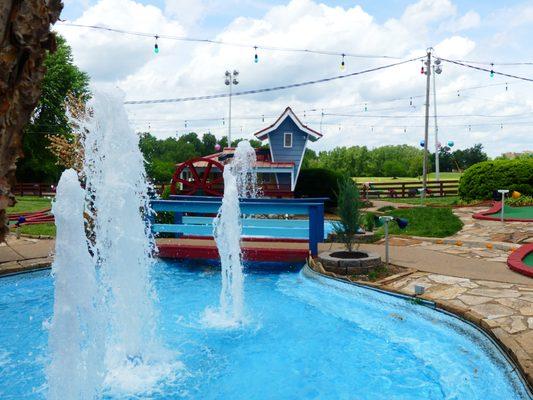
(349,263)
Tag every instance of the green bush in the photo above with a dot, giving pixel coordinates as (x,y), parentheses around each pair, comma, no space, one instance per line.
(348,211)
(520,202)
(318,182)
(481,180)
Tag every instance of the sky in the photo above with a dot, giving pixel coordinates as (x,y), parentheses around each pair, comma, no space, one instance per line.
(372,109)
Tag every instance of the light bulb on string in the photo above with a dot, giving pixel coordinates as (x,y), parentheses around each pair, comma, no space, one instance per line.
(492,70)
(342,63)
(506,87)
(404,130)
(256,57)
(411,101)
(156,46)
(263,118)
(366,108)
(458,94)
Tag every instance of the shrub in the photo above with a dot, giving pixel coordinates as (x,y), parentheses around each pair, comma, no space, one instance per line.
(318,182)
(481,180)
(348,210)
(520,202)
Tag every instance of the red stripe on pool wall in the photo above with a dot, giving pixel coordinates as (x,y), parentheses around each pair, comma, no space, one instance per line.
(249,254)
(515,261)
(497,207)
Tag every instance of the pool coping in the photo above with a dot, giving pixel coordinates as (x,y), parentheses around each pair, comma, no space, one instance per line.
(515,261)
(507,346)
(496,207)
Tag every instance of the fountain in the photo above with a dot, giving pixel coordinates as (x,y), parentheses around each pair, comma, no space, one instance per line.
(240,180)
(75,332)
(116,200)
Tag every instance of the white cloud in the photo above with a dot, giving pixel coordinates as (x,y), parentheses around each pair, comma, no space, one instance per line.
(193,69)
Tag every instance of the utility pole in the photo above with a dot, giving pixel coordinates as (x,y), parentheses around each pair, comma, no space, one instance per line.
(231,79)
(437,69)
(426,129)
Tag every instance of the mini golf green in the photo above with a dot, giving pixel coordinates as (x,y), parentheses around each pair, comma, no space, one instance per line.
(511,214)
(528,260)
(525,212)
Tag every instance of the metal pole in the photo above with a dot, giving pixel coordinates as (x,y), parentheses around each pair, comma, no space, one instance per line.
(426,129)
(437,168)
(503,204)
(386,227)
(229,119)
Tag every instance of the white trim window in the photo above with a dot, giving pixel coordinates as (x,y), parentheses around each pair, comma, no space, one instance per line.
(287,140)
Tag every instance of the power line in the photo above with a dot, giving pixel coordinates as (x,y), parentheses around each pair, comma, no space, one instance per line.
(494,63)
(492,72)
(233,44)
(270,89)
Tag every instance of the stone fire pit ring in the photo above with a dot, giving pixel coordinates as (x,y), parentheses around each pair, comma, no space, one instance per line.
(341,262)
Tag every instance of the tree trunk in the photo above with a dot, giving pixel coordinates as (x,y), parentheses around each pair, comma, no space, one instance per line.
(24,39)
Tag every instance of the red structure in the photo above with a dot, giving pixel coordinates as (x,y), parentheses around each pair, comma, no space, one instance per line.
(203,175)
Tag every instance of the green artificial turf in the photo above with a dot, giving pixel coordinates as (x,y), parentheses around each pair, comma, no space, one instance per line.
(426,221)
(528,260)
(525,212)
(29,204)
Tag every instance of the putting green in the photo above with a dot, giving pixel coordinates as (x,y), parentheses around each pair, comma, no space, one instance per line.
(525,212)
(528,260)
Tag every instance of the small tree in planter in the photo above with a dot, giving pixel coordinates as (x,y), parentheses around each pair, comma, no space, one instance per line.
(348,209)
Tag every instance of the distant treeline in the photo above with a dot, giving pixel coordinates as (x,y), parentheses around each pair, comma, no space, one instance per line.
(402,160)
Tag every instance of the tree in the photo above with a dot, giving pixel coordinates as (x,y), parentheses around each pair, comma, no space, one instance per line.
(24,40)
(394,168)
(62,79)
(208,144)
(348,210)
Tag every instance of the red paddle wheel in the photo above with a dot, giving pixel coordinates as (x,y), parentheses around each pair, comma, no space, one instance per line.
(198,182)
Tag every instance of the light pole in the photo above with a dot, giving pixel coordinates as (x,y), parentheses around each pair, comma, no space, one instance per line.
(230,80)
(426,123)
(437,69)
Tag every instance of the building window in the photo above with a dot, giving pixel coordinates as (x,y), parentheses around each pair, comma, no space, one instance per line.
(287,139)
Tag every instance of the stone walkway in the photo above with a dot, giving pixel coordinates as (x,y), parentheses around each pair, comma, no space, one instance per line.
(24,254)
(502,309)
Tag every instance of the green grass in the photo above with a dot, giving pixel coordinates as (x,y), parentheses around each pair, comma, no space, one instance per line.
(431,176)
(29,203)
(440,201)
(47,229)
(426,221)
(525,212)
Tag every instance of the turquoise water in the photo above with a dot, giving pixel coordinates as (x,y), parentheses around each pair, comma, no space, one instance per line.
(305,338)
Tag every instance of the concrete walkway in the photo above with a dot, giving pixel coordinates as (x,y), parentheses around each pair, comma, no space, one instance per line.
(24,254)
(440,263)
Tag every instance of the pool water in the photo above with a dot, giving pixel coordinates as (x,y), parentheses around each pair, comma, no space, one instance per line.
(307,337)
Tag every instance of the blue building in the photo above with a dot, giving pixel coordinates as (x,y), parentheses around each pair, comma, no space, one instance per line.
(277,167)
(287,139)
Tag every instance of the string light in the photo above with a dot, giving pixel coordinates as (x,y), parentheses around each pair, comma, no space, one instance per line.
(491,70)
(342,63)
(156,46)
(366,108)
(256,57)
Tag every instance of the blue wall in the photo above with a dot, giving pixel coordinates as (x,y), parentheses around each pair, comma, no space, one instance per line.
(293,154)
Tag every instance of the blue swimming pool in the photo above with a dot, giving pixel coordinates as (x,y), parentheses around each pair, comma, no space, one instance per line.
(307,337)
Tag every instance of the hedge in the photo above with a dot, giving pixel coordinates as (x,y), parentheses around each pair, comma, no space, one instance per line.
(481,180)
(318,182)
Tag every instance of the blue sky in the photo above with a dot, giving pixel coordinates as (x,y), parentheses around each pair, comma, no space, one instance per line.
(473,30)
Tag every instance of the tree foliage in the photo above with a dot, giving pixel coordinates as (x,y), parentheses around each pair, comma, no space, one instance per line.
(459,160)
(62,78)
(348,211)
(481,180)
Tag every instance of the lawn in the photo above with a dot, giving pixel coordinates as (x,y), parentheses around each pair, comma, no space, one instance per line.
(443,176)
(29,203)
(46,229)
(426,221)
(440,201)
